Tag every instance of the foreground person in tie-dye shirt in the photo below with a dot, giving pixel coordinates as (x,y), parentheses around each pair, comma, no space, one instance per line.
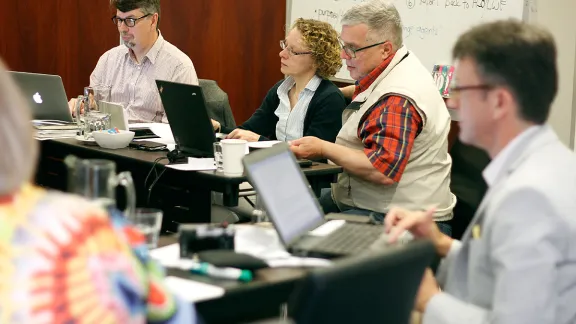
(62,258)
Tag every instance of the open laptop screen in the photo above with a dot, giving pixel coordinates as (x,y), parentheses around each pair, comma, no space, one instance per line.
(187,114)
(45,94)
(282,187)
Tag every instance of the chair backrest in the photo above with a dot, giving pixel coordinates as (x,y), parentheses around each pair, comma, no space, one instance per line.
(217,103)
(376,288)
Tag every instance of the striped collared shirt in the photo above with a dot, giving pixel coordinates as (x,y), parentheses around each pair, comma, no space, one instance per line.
(133,85)
(290,124)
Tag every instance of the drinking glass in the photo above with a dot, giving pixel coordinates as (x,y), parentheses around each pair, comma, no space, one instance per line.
(96,94)
(218,160)
(149,222)
(102,93)
(97,180)
(95,121)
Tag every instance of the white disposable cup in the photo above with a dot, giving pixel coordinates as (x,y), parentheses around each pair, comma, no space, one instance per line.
(233,150)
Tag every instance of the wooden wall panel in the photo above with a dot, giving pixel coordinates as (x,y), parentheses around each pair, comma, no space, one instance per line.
(234,42)
(63,37)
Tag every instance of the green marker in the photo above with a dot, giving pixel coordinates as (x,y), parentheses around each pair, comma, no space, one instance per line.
(207,269)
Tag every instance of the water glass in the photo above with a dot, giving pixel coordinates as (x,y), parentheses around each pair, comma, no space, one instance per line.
(218,160)
(95,121)
(101,93)
(149,222)
(259,213)
(79,112)
(94,95)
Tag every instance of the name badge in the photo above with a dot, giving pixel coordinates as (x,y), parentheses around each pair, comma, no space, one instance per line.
(476,232)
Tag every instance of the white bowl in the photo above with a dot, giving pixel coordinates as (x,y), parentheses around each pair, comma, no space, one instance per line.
(113,140)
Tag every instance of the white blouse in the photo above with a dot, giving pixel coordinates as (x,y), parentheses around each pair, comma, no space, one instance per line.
(290,124)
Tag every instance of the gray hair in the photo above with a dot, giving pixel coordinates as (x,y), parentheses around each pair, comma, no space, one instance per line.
(19,148)
(382,19)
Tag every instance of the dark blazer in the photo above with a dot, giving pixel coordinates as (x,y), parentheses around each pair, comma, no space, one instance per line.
(323,118)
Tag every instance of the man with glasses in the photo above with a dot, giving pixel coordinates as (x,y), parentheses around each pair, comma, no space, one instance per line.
(516,263)
(393,144)
(130,70)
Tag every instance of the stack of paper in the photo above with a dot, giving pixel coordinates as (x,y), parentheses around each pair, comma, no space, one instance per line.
(50,129)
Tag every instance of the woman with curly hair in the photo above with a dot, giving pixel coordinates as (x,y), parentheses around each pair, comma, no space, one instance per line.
(305,103)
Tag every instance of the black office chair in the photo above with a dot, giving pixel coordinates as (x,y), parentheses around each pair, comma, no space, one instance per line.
(217,103)
(378,288)
(219,109)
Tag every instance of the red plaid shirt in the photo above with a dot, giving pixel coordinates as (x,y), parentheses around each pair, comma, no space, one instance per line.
(388,129)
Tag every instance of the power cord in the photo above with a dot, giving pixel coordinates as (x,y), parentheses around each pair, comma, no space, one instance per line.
(152,186)
(153,169)
(157,177)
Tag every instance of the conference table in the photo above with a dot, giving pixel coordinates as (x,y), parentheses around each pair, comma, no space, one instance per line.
(184,196)
(260,298)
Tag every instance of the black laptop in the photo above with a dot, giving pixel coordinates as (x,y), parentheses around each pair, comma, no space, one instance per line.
(295,212)
(185,109)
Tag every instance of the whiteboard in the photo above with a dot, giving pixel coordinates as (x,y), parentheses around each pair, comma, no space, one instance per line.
(430,27)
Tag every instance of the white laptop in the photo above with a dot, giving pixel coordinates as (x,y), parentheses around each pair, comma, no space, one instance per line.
(117,114)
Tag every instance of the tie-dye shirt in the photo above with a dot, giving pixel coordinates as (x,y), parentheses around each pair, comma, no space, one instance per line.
(65,260)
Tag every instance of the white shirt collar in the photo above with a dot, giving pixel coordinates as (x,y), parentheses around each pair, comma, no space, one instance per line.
(289,82)
(493,169)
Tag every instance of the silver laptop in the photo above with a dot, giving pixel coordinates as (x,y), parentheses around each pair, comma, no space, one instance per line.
(294,210)
(45,94)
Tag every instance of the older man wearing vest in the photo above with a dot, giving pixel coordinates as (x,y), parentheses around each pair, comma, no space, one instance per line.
(393,144)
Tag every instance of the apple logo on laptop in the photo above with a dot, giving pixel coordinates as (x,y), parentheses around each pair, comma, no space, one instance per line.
(37,98)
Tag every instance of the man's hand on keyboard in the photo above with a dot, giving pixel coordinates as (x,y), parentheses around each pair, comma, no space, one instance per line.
(420,223)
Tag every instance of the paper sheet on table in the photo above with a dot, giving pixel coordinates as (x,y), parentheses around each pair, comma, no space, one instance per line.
(162,130)
(140,125)
(257,241)
(159,129)
(298,262)
(260,242)
(265,244)
(195,164)
(166,255)
(193,291)
(169,257)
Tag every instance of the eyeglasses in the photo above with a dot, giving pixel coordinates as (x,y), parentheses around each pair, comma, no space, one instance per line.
(290,51)
(351,51)
(129,22)
(454,91)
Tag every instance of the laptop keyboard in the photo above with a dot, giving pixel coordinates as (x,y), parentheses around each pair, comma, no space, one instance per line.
(349,239)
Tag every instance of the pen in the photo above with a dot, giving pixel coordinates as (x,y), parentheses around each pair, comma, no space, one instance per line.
(225,273)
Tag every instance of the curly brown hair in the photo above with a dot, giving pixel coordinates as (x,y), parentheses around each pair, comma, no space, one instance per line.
(322,39)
